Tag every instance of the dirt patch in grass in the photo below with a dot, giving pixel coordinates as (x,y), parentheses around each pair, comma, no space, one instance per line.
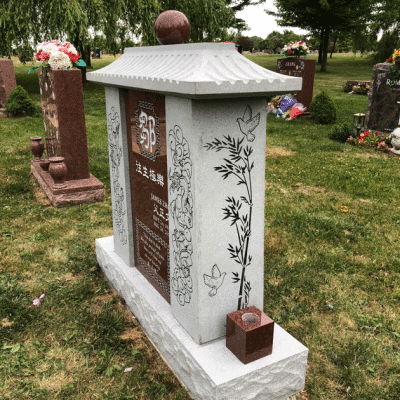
(367,156)
(56,382)
(5,323)
(277,151)
(40,197)
(308,190)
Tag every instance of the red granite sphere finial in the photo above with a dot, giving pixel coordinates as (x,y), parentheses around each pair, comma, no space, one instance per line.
(172,27)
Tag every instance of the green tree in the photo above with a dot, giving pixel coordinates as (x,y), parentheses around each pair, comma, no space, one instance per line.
(275,41)
(25,21)
(324,17)
(246,43)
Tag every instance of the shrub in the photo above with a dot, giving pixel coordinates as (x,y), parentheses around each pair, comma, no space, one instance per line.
(341,133)
(347,88)
(323,109)
(19,103)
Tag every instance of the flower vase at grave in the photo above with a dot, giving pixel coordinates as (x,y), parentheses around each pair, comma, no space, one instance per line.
(58,171)
(37,148)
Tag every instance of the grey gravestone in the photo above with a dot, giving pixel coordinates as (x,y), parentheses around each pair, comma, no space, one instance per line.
(179,120)
(383,113)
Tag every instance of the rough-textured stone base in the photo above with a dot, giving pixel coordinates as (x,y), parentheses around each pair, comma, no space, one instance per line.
(76,191)
(209,371)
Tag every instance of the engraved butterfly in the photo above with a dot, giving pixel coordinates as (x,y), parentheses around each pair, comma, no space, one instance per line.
(214,281)
(247,124)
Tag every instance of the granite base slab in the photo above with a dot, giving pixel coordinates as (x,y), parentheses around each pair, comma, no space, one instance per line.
(81,191)
(209,371)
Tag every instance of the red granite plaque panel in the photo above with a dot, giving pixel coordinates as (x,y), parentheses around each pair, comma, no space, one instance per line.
(148,176)
(7,79)
(303,68)
(64,119)
(249,334)
(383,112)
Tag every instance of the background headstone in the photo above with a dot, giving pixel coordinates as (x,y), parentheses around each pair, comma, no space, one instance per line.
(303,68)
(7,79)
(383,112)
(65,129)
(96,54)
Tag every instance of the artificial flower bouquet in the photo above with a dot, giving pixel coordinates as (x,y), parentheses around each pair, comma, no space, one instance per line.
(295,49)
(394,71)
(57,55)
(395,59)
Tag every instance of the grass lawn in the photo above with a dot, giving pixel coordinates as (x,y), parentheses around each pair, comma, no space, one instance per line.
(332,279)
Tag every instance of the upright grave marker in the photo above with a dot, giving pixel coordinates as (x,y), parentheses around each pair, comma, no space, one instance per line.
(383,112)
(7,79)
(65,136)
(303,68)
(187,156)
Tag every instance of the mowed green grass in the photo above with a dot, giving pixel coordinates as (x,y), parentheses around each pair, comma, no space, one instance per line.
(331,278)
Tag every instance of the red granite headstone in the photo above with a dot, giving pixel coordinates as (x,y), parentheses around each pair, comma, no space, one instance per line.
(303,68)
(145,113)
(383,112)
(7,79)
(64,123)
(64,119)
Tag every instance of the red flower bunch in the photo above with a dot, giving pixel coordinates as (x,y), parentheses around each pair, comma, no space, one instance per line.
(389,60)
(42,56)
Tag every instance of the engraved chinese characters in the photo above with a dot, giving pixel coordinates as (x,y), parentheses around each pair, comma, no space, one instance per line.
(148,165)
(147,130)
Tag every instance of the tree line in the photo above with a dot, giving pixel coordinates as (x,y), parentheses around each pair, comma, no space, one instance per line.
(24,23)
(111,24)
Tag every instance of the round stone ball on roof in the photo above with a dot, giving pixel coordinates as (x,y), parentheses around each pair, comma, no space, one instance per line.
(172,27)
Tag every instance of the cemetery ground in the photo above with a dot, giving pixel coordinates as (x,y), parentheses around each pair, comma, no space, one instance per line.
(332,262)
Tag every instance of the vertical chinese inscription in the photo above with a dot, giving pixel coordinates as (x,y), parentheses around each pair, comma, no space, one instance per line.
(148,176)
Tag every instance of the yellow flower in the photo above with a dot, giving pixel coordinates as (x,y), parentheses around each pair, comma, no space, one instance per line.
(344,209)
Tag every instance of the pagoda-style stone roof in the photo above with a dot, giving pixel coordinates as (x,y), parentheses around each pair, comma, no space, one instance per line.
(200,70)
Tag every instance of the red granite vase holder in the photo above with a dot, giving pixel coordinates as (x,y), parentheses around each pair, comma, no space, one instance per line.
(249,334)
(37,148)
(58,171)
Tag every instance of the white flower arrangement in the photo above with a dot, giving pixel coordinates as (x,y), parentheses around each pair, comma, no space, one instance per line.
(59,60)
(295,49)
